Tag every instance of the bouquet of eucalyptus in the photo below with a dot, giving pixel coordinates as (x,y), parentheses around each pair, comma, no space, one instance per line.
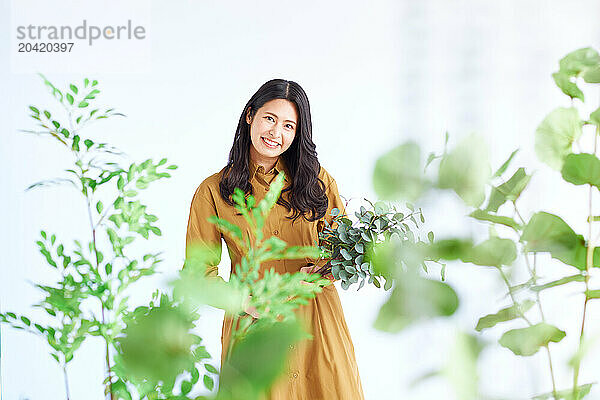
(350,243)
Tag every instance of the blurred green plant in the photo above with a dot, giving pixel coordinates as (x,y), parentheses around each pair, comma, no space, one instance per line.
(90,297)
(275,297)
(465,170)
(157,347)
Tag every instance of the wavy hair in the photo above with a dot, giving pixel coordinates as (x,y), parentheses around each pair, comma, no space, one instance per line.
(306,194)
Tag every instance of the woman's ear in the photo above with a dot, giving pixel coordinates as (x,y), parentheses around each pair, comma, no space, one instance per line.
(248,117)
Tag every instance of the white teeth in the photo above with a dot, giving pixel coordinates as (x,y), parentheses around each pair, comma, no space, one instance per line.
(270,143)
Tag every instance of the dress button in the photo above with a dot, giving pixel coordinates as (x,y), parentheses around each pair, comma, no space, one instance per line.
(266,189)
(275,232)
(291,346)
(295,375)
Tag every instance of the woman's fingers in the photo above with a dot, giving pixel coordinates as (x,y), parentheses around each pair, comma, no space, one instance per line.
(252,311)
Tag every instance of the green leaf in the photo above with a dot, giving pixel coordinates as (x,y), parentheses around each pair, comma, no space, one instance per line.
(73,88)
(496,219)
(157,343)
(492,252)
(547,232)
(70,98)
(120,182)
(504,166)
(592,294)
(563,81)
(75,145)
(508,191)
(450,249)
(592,75)
(226,227)
(208,382)
(99,207)
(83,104)
(595,117)
(579,61)
(555,135)
(267,343)
(506,314)
(466,170)
(34,109)
(581,169)
(210,368)
(413,299)
(558,282)
(566,394)
(398,175)
(527,341)
(345,254)
(195,376)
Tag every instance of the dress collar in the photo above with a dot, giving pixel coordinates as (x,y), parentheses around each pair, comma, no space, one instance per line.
(279,166)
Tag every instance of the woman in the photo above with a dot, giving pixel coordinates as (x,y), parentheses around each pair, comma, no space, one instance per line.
(274,134)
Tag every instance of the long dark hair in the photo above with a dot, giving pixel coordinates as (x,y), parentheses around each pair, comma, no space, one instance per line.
(306,195)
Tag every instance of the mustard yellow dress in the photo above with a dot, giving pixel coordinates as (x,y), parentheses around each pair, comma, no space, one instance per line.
(320,368)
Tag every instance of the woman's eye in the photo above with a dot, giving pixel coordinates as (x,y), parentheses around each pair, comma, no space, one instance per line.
(268,116)
(290,126)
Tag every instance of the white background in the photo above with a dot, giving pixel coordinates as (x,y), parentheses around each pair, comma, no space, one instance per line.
(376,74)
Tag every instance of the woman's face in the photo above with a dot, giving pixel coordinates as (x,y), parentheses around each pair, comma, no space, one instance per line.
(272,129)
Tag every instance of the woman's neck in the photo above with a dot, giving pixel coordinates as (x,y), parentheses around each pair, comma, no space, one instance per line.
(267,162)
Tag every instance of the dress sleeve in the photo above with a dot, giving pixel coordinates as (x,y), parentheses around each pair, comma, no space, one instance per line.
(202,232)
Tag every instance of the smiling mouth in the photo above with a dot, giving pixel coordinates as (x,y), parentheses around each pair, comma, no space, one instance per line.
(270,143)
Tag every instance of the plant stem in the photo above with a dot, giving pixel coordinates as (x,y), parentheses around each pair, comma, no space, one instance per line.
(66,381)
(589,261)
(108,366)
(232,337)
(533,273)
(512,296)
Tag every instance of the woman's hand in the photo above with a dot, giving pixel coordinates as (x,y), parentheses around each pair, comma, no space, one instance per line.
(250,309)
(311,268)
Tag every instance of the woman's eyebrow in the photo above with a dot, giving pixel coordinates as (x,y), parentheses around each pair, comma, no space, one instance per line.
(275,115)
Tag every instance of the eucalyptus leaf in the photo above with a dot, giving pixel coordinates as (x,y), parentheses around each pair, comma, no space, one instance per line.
(496,219)
(505,314)
(505,165)
(547,232)
(527,341)
(581,169)
(413,299)
(466,170)
(555,135)
(398,174)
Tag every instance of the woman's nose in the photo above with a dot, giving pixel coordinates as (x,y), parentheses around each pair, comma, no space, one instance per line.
(276,131)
